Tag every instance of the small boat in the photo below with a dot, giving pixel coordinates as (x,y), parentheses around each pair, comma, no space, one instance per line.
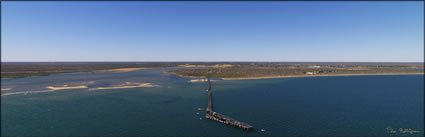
(262,130)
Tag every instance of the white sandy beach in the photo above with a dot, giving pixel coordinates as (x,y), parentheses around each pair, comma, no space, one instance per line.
(121,70)
(200,80)
(199,66)
(66,87)
(269,77)
(5,89)
(127,85)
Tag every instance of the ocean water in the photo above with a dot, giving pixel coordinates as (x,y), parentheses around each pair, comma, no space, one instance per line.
(308,106)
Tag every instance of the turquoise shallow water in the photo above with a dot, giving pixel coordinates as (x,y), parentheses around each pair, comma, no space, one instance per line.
(308,106)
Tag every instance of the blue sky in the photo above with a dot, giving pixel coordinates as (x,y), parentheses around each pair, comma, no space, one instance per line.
(213,31)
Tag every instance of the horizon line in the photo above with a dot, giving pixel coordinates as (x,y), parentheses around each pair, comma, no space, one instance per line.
(219,61)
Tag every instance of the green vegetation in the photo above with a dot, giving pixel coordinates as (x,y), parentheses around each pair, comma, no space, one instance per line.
(19,70)
(28,69)
(214,69)
(277,70)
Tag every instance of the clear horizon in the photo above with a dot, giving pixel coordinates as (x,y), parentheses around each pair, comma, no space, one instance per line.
(195,62)
(212,32)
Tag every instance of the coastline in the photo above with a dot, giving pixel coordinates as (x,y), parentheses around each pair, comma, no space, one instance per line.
(204,66)
(121,70)
(329,75)
(126,85)
(66,87)
(5,89)
(294,76)
(200,80)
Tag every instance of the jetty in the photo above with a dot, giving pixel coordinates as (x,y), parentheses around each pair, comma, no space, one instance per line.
(211,114)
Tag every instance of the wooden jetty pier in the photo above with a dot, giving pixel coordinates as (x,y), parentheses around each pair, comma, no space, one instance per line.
(210,114)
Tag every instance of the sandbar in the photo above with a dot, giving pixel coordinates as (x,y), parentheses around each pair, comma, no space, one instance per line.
(66,87)
(121,70)
(200,80)
(191,66)
(127,85)
(4,89)
(200,66)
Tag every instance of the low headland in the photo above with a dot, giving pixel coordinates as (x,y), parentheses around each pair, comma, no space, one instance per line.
(270,77)
(223,70)
(29,69)
(276,70)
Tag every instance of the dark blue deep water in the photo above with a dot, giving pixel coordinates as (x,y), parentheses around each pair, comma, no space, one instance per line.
(308,106)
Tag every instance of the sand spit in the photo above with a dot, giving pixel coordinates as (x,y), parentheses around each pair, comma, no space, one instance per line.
(268,77)
(50,89)
(127,85)
(200,66)
(121,70)
(66,87)
(200,80)
(191,66)
(26,92)
(222,65)
(4,89)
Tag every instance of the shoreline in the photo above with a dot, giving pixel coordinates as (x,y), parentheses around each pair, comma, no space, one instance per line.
(126,85)
(66,87)
(121,70)
(205,66)
(5,89)
(200,80)
(294,76)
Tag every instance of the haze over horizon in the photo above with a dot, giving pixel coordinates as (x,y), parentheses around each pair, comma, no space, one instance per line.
(213,31)
(196,62)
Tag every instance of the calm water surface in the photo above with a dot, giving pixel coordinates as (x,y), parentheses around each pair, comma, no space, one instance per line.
(309,106)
